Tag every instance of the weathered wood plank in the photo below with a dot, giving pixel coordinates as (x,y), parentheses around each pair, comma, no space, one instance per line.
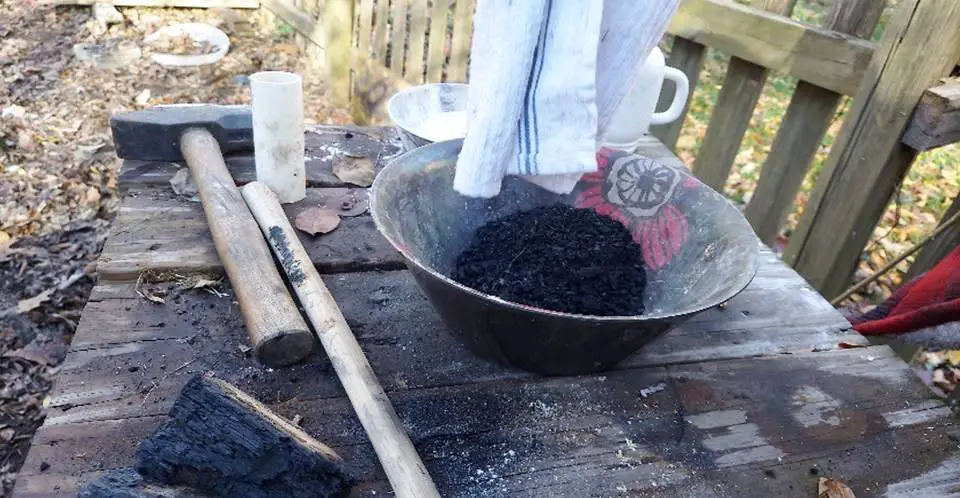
(699,426)
(417,25)
(380,38)
(687,56)
(460,44)
(809,115)
(936,120)
(189,4)
(741,90)
(938,247)
(398,36)
(822,57)
(738,96)
(324,146)
(157,231)
(920,45)
(337,29)
(388,312)
(364,26)
(437,40)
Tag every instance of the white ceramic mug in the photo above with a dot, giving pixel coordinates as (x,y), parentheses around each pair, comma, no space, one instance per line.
(637,111)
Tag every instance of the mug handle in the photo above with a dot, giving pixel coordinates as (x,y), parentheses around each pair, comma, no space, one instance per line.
(679,97)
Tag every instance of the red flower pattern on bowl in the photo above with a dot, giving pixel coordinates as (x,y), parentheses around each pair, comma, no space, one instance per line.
(640,193)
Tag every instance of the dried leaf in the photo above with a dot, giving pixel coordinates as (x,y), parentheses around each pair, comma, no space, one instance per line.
(830,488)
(317,220)
(47,353)
(7,433)
(850,345)
(354,170)
(953,356)
(29,304)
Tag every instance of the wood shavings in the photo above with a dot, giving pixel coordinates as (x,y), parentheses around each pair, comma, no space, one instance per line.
(830,488)
(317,221)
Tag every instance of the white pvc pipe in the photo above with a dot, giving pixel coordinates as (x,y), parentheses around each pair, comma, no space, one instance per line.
(278,133)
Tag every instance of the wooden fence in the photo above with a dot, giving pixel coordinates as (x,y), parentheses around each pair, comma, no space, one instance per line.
(373,47)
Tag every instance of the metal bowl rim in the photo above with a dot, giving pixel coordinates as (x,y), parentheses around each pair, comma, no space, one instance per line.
(407,255)
(408,90)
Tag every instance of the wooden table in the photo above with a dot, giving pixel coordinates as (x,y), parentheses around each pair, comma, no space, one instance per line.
(755,399)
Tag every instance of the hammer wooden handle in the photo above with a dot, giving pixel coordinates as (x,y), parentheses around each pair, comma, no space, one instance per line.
(278,333)
(406,472)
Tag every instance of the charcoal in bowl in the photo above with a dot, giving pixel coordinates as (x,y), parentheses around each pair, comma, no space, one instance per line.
(558,258)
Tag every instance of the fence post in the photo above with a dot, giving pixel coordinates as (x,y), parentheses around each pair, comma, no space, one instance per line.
(738,97)
(809,115)
(337,21)
(921,44)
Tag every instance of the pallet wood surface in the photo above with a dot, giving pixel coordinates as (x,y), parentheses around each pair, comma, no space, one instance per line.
(756,398)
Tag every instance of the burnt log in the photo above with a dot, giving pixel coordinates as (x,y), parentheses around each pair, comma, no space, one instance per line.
(222,442)
(126,482)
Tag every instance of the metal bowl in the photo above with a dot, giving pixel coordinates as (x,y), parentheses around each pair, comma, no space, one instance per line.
(412,108)
(698,248)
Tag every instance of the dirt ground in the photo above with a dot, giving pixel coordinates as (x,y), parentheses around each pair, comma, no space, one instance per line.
(58,181)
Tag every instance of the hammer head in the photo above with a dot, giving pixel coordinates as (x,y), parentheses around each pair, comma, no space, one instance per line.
(154,134)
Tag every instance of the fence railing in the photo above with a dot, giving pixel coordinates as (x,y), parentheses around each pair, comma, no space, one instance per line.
(373,47)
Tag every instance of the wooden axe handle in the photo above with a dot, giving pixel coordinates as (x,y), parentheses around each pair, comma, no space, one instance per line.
(406,472)
(278,333)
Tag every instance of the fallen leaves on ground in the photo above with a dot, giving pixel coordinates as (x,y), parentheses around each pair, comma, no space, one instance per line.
(940,370)
(317,220)
(831,488)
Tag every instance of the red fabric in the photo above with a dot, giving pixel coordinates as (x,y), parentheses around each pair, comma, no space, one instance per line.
(928,300)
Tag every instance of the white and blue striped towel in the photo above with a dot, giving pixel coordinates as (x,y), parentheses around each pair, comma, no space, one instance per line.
(545,79)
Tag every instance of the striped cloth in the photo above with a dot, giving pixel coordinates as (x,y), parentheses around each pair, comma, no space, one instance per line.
(545,79)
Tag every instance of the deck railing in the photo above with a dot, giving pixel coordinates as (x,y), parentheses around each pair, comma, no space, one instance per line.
(391,43)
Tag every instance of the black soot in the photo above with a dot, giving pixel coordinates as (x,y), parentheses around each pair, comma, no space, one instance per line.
(558,258)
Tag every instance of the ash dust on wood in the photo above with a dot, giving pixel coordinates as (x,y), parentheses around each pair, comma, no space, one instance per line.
(558,258)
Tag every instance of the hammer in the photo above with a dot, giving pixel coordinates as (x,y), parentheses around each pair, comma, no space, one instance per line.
(200,134)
